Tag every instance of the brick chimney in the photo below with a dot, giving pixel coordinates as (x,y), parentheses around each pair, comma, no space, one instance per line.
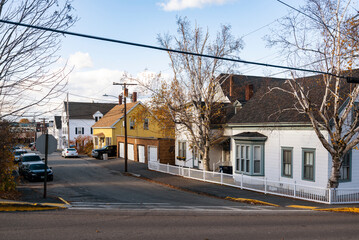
(134,97)
(231,85)
(249,92)
(119,100)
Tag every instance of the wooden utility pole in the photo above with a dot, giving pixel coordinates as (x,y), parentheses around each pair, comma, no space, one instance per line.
(125,95)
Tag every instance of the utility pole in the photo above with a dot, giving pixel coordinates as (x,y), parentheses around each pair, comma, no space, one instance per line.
(68,121)
(125,94)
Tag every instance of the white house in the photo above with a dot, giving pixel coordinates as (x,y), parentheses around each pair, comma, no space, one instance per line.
(55,129)
(78,118)
(264,138)
(235,90)
(270,140)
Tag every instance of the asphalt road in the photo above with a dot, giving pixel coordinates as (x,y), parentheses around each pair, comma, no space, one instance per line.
(119,224)
(109,205)
(87,185)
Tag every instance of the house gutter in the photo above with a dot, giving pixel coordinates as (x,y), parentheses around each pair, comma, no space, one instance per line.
(303,125)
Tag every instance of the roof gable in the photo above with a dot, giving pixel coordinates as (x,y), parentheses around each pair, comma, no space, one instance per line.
(115,115)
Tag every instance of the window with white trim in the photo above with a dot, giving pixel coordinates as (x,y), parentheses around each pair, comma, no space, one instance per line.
(79,130)
(132,123)
(181,150)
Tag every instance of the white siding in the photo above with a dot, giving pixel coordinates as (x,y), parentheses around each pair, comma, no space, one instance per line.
(296,139)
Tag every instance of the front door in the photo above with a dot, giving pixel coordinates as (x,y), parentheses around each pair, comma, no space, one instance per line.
(121,150)
(152,154)
(131,153)
(141,153)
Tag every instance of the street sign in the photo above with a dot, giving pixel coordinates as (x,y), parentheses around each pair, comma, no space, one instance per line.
(52,144)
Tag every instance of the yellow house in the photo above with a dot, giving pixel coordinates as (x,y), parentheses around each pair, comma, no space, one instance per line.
(148,139)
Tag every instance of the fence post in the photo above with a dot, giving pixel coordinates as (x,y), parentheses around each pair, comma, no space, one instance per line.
(265,185)
(242,181)
(221,177)
(330,195)
(295,189)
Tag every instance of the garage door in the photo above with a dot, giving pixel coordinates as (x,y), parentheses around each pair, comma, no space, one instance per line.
(152,154)
(121,150)
(141,153)
(131,152)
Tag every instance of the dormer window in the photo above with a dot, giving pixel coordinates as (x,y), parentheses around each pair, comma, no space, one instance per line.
(237,106)
(97,116)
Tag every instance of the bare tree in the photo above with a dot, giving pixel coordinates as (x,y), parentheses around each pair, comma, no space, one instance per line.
(27,55)
(191,97)
(324,34)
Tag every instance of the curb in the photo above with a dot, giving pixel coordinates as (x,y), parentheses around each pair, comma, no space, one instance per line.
(242,200)
(339,209)
(250,201)
(17,206)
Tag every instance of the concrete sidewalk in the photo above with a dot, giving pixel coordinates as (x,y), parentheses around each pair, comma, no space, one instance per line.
(141,170)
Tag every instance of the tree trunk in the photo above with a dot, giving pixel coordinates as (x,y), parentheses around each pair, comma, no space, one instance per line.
(333,181)
(206,157)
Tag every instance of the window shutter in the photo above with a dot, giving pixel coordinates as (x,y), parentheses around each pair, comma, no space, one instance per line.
(83,130)
(75,130)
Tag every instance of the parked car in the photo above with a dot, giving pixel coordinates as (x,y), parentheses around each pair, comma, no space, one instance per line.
(17,154)
(28,158)
(111,151)
(32,145)
(36,171)
(69,152)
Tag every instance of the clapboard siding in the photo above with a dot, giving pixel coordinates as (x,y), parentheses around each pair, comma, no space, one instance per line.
(296,139)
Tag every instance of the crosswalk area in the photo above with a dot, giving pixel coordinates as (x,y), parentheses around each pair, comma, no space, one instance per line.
(165,207)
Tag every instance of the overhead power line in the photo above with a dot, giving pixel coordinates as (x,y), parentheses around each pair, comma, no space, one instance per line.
(164,49)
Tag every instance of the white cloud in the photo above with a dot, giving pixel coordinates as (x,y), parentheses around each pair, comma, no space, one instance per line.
(80,60)
(176,5)
(93,84)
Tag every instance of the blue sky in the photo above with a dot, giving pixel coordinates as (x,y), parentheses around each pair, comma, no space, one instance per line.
(98,64)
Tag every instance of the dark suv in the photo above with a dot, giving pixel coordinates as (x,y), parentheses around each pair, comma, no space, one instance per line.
(111,151)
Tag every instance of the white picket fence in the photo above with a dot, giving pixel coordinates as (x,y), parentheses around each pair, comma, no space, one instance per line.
(315,194)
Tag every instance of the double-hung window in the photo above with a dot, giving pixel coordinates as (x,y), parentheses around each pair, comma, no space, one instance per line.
(145,124)
(287,162)
(309,164)
(182,150)
(132,123)
(345,170)
(79,130)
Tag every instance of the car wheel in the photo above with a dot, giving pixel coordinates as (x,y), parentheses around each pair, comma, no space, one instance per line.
(101,156)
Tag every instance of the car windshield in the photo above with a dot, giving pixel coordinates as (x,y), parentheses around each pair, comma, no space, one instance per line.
(17,153)
(37,167)
(32,158)
(71,149)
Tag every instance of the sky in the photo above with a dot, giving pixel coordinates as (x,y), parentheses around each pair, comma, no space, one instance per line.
(96,64)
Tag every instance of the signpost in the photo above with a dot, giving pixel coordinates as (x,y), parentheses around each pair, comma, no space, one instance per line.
(46,144)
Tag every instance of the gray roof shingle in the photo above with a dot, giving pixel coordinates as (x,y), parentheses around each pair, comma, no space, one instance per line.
(86,110)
